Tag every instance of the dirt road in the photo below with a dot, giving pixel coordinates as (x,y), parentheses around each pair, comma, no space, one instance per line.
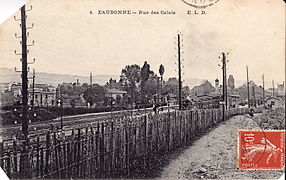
(214,155)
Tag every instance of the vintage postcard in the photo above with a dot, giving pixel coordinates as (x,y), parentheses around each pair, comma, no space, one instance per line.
(155,89)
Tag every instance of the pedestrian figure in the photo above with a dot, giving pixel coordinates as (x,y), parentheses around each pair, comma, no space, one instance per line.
(251,112)
(155,108)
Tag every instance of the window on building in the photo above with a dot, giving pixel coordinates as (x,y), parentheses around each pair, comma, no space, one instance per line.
(36,96)
(46,96)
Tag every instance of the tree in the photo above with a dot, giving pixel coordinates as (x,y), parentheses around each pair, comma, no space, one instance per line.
(161,71)
(112,83)
(204,88)
(231,82)
(130,77)
(66,88)
(118,99)
(151,85)
(171,87)
(145,74)
(94,94)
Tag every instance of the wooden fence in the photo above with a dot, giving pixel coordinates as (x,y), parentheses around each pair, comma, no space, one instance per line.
(117,148)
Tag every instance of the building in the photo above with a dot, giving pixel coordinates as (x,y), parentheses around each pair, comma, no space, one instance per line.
(217,88)
(44,95)
(274,102)
(115,93)
(5,87)
(281,90)
(206,101)
(171,99)
(16,89)
(233,101)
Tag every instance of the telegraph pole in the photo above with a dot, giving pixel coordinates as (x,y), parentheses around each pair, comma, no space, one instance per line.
(224,86)
(90,79)
(33,93)
(273,88)
(248,98)
(263,95)
(24,160)
(24,75)
(254,100)
(179,71)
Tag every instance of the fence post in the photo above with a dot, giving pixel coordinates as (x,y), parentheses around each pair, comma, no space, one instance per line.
(38,156)
(111,149)
(15,158)
(126,127)
(102,150)
(146,154)
(64,165)
(8,169)
(92,152)
(85,152)
(168,129)
(42,162)
(56,154)
(1,154)
(97,148)
(69,160)
(78,160)
(47,153)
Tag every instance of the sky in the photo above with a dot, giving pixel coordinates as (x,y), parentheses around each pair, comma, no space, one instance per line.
(71,40)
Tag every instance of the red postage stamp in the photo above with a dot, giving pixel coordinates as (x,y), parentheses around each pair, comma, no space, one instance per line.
(261,149)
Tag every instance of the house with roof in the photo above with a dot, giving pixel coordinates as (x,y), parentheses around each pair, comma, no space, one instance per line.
(115,93)
(274,102)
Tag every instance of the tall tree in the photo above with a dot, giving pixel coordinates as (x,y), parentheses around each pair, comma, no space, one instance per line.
(171,86)
(161,71)
(94,94)
(145,74)
(151,85)
(130,77)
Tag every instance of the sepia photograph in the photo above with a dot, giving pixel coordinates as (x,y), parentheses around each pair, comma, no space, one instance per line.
(142,89)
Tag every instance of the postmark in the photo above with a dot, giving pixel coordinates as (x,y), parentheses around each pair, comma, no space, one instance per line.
(261,149)
(200,4)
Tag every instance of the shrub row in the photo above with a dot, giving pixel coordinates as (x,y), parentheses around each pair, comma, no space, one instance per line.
(14,117)
(47,113)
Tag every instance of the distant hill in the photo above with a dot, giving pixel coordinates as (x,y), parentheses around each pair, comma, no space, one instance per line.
(10,76)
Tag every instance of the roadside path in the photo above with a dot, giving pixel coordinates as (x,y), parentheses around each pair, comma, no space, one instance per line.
(214,156)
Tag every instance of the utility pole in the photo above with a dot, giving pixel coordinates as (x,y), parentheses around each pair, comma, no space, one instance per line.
(254,100)
(24,160)
(273,88)
(33,92)
(90,79)
(158,90)
(62,110)
(179,71)
(24,74)
(248,98)
(224,86)
(263,95)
